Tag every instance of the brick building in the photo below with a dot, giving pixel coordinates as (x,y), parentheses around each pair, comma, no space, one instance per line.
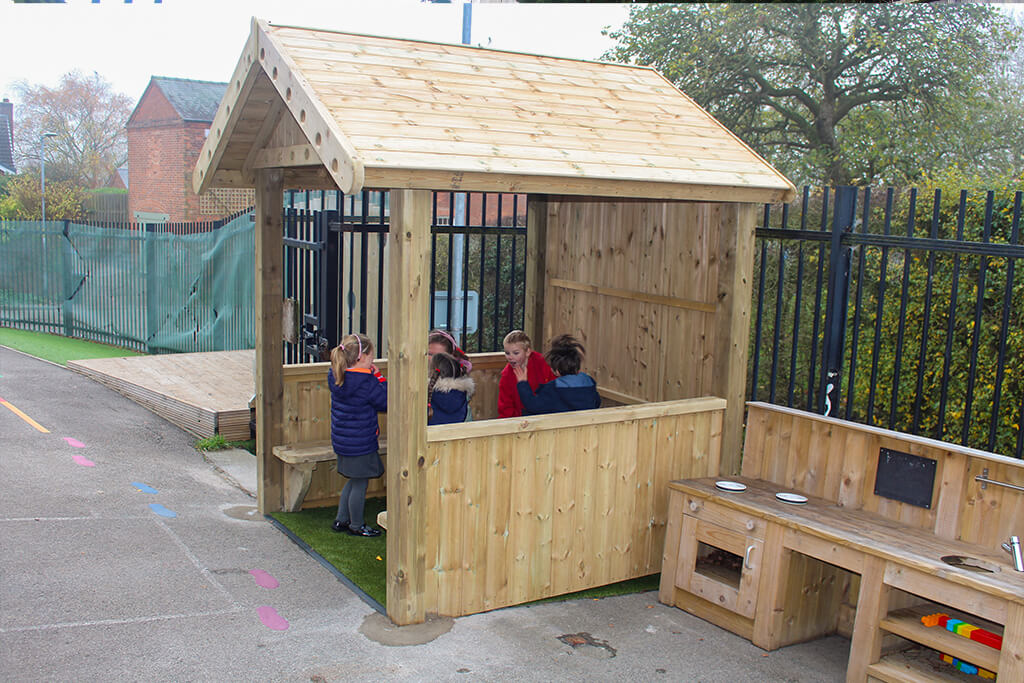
(165,133)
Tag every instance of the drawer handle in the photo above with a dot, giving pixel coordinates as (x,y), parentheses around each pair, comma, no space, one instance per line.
(694,506)
(746,557)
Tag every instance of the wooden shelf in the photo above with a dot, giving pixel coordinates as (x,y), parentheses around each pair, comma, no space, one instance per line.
(907,623)
(914,666)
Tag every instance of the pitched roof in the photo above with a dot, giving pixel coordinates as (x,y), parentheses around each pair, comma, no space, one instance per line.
(6,146)
(390,113)
(192,100)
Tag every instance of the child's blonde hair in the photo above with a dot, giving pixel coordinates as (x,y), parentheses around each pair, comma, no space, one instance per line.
(346,354)
(518,337)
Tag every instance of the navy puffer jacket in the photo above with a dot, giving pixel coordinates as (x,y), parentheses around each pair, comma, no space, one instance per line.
(450,400)
(354,408)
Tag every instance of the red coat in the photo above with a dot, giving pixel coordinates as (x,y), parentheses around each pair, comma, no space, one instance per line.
(537,372)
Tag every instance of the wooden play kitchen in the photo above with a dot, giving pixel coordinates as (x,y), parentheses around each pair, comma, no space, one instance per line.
(840,527)
(641,215)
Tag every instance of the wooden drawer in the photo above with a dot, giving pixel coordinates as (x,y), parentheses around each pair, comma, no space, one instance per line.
(709,511)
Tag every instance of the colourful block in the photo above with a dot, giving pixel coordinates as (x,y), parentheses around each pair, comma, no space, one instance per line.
(985,673)
(965,630)
(946,658)
(967,668)
(951,624)
(931,619)
(987,638)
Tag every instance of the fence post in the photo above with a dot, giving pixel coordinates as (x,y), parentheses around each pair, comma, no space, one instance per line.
(834,340)
(152,284)
(66,278)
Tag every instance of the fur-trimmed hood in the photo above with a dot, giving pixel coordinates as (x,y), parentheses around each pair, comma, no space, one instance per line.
(464,384)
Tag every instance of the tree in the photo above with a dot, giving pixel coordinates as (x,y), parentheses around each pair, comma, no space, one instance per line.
(831,93)
(20,199)
(89,119)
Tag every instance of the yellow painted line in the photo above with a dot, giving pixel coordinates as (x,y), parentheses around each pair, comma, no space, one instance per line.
(24,417)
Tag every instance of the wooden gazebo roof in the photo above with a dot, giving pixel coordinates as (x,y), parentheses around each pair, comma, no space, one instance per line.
(377,112)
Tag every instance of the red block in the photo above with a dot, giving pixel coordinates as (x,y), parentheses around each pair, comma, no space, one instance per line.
(987,638)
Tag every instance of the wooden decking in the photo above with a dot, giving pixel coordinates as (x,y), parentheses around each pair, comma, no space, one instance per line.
(203,393)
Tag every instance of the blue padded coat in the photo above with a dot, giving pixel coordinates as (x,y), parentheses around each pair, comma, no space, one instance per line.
(354,408)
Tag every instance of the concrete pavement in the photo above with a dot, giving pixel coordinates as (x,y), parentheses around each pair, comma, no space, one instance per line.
(103,580)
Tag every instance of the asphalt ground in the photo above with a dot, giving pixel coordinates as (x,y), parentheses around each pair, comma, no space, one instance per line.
(124,557)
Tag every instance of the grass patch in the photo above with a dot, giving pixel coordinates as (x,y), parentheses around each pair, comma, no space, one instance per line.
(356,557)
(218,443)
(58,349)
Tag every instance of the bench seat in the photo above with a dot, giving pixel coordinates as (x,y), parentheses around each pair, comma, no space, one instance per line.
(300,459)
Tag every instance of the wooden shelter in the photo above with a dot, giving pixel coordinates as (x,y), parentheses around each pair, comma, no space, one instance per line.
(641,231)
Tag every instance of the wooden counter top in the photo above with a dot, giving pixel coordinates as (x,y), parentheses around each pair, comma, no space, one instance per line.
(866,533)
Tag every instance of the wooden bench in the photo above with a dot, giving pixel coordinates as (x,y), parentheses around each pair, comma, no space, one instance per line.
(851,560)
(300,459)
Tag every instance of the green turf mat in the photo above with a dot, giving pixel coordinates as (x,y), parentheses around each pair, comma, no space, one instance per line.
(364,560)
(58,349)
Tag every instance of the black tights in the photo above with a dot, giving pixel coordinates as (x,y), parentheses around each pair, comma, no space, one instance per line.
(352,503)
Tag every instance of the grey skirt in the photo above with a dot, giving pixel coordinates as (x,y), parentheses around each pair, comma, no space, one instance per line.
(369,466)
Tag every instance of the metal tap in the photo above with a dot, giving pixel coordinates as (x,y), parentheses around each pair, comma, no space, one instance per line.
(1013,547)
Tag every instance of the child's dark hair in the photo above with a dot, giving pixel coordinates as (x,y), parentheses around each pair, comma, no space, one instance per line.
(442,366)
(346,354)
(565,355)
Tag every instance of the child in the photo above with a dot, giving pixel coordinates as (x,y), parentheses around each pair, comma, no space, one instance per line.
(571,390)
(519,355)
(440,341)
(448,391)
(358,393)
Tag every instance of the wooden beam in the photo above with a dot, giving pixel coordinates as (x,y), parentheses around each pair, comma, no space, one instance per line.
(228,114)
(469,181)
(409,303)
(236,179)
(634,295)
(732,324)
(269,344)
(270,122)
(317,123)
(280,157)
(536,242)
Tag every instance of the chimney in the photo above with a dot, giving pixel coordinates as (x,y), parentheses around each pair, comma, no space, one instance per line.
(7,110)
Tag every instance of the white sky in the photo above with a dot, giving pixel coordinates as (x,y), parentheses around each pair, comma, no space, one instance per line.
(202,39)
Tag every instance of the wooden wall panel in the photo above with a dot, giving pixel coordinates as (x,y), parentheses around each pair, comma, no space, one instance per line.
(648,264)
(561,503)
(837,460)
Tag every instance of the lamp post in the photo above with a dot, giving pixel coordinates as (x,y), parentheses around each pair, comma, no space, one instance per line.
(42,172)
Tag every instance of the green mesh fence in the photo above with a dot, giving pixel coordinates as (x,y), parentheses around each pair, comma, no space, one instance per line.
(148,291)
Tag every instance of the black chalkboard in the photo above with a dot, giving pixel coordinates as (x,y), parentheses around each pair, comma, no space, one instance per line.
(905,477)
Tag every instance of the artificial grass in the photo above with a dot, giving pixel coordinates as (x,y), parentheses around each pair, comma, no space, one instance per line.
(58,349)
(364,560)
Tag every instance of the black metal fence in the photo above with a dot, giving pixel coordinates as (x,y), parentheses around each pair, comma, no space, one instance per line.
(335,268)
(895,312)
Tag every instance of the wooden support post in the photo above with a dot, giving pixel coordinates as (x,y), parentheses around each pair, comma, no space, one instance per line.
(536,265)
(409,304)
(872,606)
(1011,660)
(269,344)
(732,324)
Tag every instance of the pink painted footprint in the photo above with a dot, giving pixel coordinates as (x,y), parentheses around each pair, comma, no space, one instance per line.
(263,579)
(74,443)
(84,462)
(271,619)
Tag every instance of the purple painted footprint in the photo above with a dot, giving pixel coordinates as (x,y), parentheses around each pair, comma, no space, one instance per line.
(84,462)
(263,579)
(271,619)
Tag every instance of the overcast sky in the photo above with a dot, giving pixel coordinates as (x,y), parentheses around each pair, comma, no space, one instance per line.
(202,39)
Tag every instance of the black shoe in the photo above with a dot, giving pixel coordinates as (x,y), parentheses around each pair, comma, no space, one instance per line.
(339,526)
(364,531)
